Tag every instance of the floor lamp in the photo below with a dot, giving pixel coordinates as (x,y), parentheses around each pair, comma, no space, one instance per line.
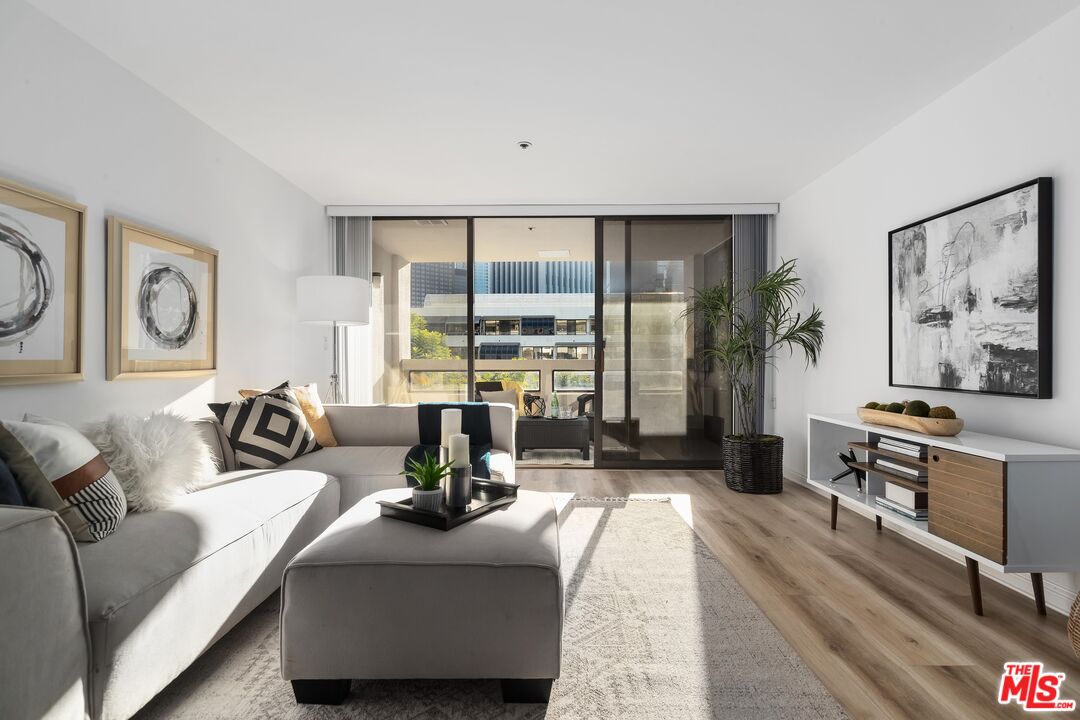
(334,300)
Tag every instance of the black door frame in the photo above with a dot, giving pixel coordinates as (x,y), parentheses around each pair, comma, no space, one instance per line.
(599,461)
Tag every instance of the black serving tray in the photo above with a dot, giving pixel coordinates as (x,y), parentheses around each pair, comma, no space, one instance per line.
(487,495)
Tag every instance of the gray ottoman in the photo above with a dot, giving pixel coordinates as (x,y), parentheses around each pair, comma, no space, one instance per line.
(377,598)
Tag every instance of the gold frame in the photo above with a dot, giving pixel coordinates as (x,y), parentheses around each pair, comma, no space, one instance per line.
(117,366)
(37,370)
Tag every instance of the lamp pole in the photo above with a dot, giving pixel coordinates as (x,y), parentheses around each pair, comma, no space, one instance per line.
(333,393)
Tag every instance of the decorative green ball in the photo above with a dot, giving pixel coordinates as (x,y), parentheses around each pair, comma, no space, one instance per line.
(893,408)
(917,408)
(871,406)
(943,412)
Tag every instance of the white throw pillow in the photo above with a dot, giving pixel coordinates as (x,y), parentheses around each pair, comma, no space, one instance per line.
(157,459)
(500,396)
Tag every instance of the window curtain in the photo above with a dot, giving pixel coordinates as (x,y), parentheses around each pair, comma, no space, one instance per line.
(351,253)
(752,238)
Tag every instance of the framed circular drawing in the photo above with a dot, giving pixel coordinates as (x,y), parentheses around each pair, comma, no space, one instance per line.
(162,304)
(41,257)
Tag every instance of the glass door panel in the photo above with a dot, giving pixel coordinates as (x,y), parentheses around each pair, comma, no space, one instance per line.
(421,354)
(617,440)
(663,403)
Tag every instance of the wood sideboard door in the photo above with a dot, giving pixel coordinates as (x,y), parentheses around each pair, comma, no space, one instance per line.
(966,502)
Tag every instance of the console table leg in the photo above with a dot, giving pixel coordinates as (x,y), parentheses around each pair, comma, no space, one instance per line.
(973,581)
(877,522)
(1040,595)
(834,506)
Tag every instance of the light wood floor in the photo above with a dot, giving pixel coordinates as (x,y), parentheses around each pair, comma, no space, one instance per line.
(886,624)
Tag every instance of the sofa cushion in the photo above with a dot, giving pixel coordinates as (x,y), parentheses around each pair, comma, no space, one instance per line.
(501,466)
(374,425)
(149,548)
(361,470)
(174,581)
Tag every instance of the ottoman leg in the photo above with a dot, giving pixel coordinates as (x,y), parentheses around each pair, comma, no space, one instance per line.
(526,691)
(320,692)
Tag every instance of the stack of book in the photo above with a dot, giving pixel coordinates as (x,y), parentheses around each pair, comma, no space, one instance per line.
(903,447)
(903,500)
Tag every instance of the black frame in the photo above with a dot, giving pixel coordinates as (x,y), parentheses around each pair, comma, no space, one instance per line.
(1044,188)
(598,325)
(630,462)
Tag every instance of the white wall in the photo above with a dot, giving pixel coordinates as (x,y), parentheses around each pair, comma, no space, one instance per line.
(76,124)
(1016,119)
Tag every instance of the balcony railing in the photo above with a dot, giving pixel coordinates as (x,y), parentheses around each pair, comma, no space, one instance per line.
(434,380)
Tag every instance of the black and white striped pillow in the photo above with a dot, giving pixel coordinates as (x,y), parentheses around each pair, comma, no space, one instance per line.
(266,430)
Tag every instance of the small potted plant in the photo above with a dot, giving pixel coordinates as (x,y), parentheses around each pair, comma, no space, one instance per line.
(427,494)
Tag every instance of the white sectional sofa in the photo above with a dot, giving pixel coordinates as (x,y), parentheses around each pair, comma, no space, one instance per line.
(96,630)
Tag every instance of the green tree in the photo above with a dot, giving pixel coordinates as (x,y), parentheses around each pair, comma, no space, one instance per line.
(428,344)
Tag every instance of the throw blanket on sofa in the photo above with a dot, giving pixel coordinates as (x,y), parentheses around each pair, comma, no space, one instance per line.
(475,422)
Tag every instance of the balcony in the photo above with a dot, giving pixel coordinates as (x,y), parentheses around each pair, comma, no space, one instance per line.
(446,381)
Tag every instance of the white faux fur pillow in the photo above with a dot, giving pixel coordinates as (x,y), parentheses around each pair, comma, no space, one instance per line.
(157,459)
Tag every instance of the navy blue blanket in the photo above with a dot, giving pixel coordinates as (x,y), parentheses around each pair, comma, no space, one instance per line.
(10,491)
(475,422)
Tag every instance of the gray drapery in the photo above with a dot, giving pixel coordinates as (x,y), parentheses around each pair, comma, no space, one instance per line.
(750,253)
(350,239)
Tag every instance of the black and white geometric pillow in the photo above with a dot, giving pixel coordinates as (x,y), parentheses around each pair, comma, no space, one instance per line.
(266,430)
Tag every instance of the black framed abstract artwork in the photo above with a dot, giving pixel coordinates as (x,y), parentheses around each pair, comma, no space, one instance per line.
(970,296)
(41,288)
(162,304)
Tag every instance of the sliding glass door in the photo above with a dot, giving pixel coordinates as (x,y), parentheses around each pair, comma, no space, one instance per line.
(662,403)
(591,310)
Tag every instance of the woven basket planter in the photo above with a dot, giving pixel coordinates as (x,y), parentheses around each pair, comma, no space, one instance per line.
(754,466)
(1074,626)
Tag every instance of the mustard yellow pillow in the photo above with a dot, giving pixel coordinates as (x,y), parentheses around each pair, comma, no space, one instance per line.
(516,387)
(308,397)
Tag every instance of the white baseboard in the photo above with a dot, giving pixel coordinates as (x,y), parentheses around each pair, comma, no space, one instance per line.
(1058,597)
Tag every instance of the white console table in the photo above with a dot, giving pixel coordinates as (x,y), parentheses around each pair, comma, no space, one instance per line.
(1010,504)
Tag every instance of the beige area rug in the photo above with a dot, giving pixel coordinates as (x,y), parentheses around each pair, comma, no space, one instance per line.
(656,627)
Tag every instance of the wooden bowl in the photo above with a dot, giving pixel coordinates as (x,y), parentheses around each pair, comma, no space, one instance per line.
(927,426)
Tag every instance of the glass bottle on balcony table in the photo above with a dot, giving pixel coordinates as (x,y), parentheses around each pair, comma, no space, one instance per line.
(555,411)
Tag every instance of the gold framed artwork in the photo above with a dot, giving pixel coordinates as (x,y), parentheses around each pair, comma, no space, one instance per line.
(41,286)
(161,304)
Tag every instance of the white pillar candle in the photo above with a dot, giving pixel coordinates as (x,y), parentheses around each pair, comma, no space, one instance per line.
(459,450)
(451,424)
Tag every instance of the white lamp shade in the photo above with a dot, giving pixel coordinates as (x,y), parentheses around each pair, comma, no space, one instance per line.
(328,299)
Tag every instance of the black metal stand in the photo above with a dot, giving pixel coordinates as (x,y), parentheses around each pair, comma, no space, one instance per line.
(850,469)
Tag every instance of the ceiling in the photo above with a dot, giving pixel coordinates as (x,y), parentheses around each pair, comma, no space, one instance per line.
(407,102)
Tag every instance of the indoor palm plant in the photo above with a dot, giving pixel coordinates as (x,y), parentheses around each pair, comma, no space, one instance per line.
(746,324)
(427,494)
